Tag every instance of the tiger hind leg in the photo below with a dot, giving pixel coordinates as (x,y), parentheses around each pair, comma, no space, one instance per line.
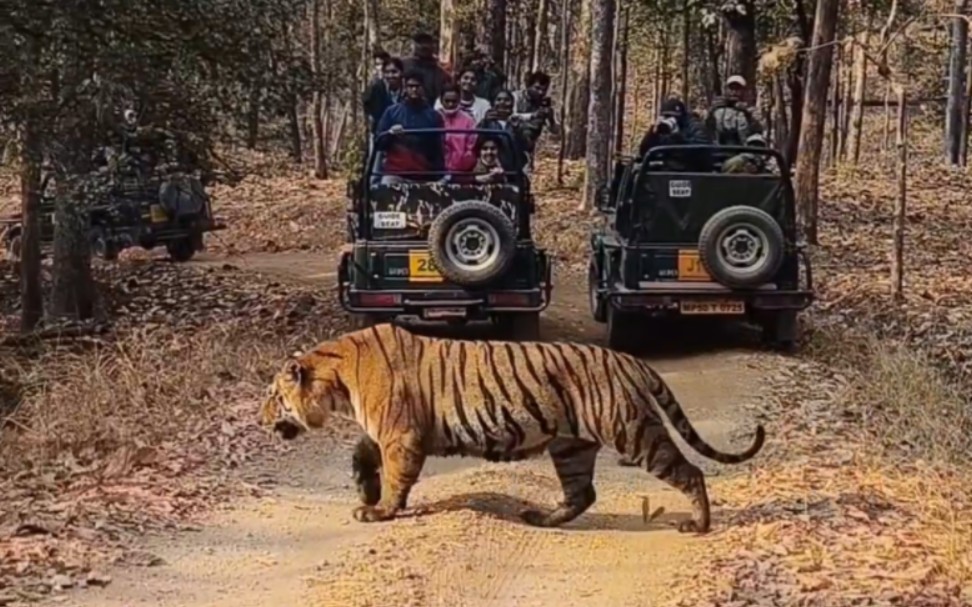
(365,468)
(574,462)
(402,459)
(667,463)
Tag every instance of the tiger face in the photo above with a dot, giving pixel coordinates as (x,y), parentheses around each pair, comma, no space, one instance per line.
(302,394)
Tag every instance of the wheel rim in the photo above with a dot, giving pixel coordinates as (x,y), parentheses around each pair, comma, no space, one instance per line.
(472,244)
(744,248)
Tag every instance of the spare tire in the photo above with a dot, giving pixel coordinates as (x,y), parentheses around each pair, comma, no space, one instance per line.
(742,246)
(472,243)
(181,196)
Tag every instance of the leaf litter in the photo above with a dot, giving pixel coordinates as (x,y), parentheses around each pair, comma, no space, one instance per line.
(823,521)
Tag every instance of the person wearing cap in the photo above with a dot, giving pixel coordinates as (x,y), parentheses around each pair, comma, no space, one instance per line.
(748,162)
(424,61)
(729,120)
(675,126)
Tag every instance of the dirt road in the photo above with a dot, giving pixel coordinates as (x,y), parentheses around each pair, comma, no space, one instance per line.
(464,546)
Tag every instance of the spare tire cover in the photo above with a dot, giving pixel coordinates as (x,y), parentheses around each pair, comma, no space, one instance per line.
(742,246)
(472,243)
(182,196)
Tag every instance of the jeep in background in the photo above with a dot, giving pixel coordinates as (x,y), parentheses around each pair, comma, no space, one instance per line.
(685,243)
(174,212)
(456,251)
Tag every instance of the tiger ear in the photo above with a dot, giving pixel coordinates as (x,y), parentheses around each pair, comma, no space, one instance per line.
(295,371)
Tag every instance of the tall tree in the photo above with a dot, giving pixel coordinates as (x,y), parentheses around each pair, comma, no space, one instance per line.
(740,16)
(496,31)
(857,99)
(317,106)
(580,79)
(599,109)
(954,132)
(815,114)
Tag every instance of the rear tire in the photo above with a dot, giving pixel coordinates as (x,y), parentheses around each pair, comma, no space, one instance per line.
(781,330)
(522,326)
(181,250)
(622,331)
(596,302)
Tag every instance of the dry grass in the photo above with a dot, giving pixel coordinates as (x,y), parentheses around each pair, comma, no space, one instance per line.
(917,427)
(906,404)
(142,389)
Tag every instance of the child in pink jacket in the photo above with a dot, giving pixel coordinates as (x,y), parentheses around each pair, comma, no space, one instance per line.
(460,155)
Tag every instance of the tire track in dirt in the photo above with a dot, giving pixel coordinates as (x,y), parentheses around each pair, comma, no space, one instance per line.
(462,545)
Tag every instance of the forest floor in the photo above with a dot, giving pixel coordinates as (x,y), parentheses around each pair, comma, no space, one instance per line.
(131,462)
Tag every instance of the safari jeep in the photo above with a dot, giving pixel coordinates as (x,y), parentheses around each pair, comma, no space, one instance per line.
(173,212)
(685,243)
(457,252)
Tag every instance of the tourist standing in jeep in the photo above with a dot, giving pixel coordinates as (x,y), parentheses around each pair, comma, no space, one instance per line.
(424,62)
(532,109)
(411,156)
(730,121)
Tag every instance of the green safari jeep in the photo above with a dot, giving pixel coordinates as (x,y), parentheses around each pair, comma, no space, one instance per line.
(454,251)
(692,243)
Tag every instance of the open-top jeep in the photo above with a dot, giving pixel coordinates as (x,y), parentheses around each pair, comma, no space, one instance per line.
(173,212)
(454,251)
(685,243)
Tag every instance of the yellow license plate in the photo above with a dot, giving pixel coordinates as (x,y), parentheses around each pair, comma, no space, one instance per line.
(719,306)
(690,268)
(158,214)
(421,267)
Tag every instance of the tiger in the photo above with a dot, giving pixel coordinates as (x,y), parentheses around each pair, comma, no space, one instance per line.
(416,396)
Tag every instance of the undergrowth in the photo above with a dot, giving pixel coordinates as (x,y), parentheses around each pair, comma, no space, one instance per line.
(141,389)
(916,427)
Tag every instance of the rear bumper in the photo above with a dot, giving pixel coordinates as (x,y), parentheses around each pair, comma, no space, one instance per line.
(443,301)
(660,298)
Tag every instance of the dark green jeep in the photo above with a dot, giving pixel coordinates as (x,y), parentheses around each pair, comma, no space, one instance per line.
(455,251)
(686,243)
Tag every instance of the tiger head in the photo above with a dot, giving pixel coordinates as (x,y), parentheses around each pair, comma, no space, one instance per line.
(304,392)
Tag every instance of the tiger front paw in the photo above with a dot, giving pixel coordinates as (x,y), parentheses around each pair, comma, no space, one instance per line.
(369,490)
(690,526)
(371,514)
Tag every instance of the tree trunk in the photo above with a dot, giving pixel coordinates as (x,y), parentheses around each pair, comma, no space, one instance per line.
(496,32)
(31,295)
(886,138)
(835,102)
(956,87)
(540,48)
(293,126)
(967,114)
(857,107)
(73,290)
(565,31)
(741,44)
(781,136)
(898,229)
(317,122)
(253,116)
(620,78)
(372,18)
(448,32)
(686,49)
(581,87)
(814,115)
(599,109)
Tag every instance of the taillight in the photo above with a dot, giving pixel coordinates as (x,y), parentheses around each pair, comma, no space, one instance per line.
(379,300)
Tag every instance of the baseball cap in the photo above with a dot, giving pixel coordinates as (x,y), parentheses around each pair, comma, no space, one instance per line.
(736,79)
